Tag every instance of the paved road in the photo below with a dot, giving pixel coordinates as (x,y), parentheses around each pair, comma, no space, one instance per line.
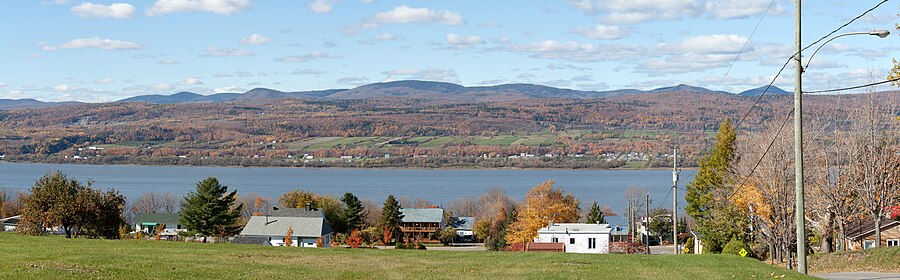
(858,275)
(662,250)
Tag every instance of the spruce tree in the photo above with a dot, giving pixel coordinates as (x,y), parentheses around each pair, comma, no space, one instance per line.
(707,196)
(353,212)
(595,216)
(209,211)
(391,216)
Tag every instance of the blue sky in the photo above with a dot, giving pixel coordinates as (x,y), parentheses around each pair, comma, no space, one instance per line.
(55,50)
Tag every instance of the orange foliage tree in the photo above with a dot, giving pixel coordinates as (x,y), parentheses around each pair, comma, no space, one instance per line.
(288,240)
(354,240)
(542,204)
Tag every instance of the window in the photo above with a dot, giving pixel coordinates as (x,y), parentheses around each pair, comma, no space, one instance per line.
(592,243)
(893,242)
(868,244)
(554,240)
(571,240)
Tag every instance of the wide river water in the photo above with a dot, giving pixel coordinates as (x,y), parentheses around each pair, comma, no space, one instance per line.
(440,186)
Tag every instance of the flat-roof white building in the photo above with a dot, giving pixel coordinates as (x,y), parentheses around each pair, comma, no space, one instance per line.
(578,238)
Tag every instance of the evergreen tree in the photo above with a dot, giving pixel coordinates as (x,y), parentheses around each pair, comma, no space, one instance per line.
(391,216)
(717,219)
(209,211)
(595,216)
(353,212)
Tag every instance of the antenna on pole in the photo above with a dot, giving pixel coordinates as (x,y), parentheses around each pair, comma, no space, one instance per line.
(675,198)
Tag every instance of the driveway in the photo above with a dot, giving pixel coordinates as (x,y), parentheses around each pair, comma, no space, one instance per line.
(858,275)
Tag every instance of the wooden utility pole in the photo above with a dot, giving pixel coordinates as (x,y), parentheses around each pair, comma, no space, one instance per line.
(798,144)
(675,199)
(647,227)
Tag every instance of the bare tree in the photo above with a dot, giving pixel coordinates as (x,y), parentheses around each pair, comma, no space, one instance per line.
(372,213)
(770,189)
(153,202)
(634,198)
(871,168)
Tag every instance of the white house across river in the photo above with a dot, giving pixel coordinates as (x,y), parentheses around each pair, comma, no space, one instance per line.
(578,238)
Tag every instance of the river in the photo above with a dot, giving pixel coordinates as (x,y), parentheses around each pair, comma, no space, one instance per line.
(440,186)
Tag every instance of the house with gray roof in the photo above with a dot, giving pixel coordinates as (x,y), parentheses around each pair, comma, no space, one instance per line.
(464,226)
(305,226)
(10,223)
(421,223)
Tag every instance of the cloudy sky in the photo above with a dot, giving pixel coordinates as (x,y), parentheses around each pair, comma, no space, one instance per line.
(56,50)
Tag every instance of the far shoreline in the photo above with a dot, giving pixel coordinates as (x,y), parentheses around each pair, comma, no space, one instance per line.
(341,167)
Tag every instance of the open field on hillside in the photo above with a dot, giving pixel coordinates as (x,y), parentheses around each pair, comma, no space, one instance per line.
(26,257)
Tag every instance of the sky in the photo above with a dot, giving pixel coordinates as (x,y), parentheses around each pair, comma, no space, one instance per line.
(70,50)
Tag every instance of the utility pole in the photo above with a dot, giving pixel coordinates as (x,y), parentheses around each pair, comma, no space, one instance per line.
(798,144)
(675,199)
(647,227)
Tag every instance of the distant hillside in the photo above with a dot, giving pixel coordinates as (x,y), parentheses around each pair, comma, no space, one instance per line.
(8,104)
(411,89)
(773,90)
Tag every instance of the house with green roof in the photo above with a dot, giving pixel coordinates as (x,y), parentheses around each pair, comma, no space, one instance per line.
(149,223)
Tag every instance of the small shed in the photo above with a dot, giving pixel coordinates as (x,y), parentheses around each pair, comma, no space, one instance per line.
(698,242)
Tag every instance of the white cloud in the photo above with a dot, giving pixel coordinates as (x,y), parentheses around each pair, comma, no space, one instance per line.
(115,10)
(217,52)
(190,82)
(105,81)
(168,61)
(307,72)
(95,42)
(353,81)
(706,44)
(321,6)
(732,9)
(62,88)
(255,39)
(2,85)
(229,89)
(162,87)
(313,55)
(602,32)
(367,1)
(464,41)
(577,52)
(223,7)
(386,37)
(404,14)
(430,74)
(638,11)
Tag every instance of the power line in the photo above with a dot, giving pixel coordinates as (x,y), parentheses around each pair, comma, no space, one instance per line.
(745,44)
(737,188)
(766,90)
(854,87)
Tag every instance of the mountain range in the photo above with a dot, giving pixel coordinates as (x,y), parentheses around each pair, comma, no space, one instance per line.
(400,89)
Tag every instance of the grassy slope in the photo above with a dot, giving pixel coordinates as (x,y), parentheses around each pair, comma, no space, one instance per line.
(879,259)
(25,257)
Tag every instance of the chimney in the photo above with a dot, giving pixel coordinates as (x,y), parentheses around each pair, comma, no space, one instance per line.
(308,206)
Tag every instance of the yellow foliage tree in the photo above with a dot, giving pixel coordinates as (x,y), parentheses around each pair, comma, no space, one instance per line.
(542,204)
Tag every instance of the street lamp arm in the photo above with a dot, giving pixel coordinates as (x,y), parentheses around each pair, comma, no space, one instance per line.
(879,33)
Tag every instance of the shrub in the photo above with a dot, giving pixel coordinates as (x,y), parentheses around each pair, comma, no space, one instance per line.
(400,246)
(354,240)
(421,247)
(734,247)
(689,246)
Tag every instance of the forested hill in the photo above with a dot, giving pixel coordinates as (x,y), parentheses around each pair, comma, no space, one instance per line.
(623,130)
(425,90)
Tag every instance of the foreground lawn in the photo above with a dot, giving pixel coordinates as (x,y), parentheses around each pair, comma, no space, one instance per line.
(54,257)
(876,260)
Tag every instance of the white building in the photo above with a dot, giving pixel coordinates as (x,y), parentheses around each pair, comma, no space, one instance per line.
(578,238)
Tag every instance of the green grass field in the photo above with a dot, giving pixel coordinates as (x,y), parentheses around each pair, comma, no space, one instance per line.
(27,257)
(877,259)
